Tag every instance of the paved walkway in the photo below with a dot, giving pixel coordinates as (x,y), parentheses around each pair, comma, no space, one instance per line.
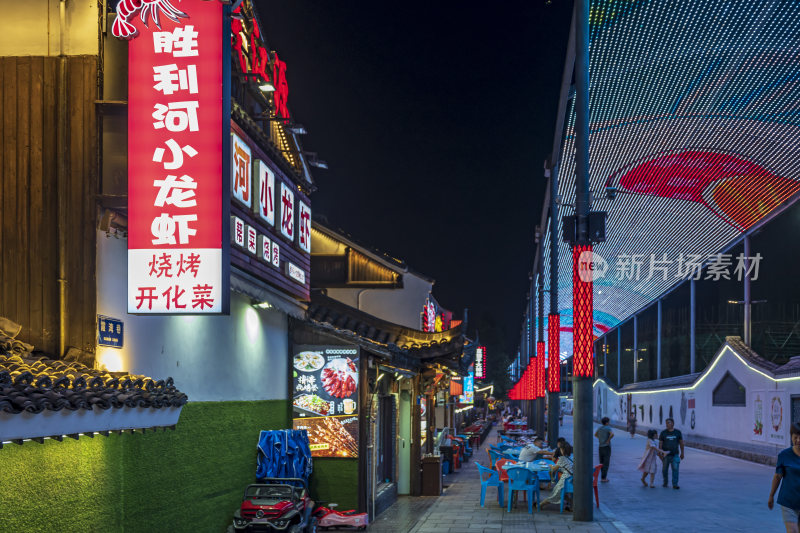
(718,493)
(458,510)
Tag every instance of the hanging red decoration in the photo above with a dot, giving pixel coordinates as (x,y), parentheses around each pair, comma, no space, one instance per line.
(553,349)
(540,370)
(582,321)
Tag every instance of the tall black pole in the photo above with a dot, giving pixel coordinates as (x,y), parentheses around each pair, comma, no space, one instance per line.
(540,336)
(553,405)
(582,384)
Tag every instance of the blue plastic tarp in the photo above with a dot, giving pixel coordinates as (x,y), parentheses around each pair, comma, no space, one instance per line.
(284,453)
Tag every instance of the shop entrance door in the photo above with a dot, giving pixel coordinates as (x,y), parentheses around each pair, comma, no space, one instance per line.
(388,430)
(404,444)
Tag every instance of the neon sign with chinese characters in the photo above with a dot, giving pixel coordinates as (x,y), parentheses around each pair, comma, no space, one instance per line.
(480,362)
(175,167)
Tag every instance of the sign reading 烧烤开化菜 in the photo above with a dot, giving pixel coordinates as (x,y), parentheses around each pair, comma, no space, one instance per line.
(176,253)
(325,398)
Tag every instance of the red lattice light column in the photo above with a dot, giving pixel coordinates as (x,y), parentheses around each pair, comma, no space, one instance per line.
(582,336)
(553,349)
(540,370)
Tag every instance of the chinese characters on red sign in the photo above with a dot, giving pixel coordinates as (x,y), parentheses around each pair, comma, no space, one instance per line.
(175,164)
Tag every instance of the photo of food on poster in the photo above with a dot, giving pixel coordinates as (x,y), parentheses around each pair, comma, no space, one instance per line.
(325,398)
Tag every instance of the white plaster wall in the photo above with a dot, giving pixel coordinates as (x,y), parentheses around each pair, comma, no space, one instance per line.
(243,356)
(717,422)
(31,28)
(399,306)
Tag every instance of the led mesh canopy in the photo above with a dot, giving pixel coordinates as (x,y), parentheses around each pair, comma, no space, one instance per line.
(695,120)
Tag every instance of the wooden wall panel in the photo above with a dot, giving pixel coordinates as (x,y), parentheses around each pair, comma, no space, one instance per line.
(29,288)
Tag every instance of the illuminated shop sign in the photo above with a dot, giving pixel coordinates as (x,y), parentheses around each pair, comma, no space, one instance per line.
(325,398)
(254,59)
(296,273)
(480,362)
(253,186)
(175,167)
(435,318)
(469,389)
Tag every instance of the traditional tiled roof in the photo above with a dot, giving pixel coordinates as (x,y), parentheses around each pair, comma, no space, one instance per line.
(446,346)
(750,356)
(34,384)
(31,383)
(677,381)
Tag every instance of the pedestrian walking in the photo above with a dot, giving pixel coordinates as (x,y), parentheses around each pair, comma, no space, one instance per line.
(565,467)
(652,453)
(561,417)
(787,475)
(632,424)
(670,441)
(604,435)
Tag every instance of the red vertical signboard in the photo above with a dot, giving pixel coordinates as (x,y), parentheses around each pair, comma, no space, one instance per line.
(175,160)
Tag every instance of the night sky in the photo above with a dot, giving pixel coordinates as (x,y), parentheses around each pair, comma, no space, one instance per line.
(435,119)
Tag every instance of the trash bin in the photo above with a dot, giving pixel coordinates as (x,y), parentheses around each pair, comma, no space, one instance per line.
(432,475)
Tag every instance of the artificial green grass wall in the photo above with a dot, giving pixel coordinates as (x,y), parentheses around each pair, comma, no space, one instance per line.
(190,479)
(336,480)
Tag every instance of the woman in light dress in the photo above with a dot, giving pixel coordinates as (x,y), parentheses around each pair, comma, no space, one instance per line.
(565,466)
(649,464)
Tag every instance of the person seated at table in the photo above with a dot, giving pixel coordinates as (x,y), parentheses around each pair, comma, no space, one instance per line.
(565,466)
(534,451)
(557,453)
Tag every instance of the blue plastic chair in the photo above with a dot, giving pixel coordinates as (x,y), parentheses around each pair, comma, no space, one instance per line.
(567,488)
(522,479)
(494,455)
(492,481)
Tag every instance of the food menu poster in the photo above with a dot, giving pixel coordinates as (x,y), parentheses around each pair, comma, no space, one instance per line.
(325,398)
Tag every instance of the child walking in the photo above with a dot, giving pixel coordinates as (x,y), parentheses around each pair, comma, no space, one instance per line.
(649,459)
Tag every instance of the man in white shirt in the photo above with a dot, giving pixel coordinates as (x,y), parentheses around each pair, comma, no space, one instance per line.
(531,451)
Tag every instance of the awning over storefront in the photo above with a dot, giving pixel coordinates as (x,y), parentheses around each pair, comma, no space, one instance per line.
(446,347)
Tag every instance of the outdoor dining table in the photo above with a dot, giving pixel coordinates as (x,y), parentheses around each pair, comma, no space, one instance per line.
(534,466)
(519,432)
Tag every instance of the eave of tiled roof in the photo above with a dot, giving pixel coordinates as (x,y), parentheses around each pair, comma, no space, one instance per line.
(42,397)
(446,346)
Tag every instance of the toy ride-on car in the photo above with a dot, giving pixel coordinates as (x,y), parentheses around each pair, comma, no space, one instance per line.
(277,505)
(329,518)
